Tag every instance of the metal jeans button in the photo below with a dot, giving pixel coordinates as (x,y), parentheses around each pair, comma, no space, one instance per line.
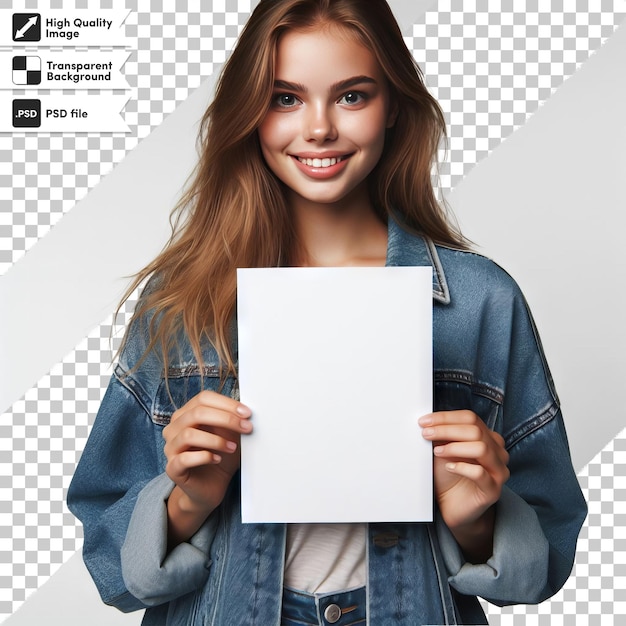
(332,613)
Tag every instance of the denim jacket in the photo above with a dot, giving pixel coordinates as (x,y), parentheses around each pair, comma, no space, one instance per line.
(487,358)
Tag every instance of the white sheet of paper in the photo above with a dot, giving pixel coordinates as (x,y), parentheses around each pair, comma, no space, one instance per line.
(336,365)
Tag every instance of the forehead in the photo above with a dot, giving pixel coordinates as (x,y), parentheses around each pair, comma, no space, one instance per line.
(328,54)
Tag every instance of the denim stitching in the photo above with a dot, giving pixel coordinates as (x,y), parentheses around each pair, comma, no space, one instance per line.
(480,389)
(210,371)
(441,293)
(163,418)
(447,602)
(133,387)
(531,425)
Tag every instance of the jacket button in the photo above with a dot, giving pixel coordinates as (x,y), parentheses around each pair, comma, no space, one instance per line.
(332,613)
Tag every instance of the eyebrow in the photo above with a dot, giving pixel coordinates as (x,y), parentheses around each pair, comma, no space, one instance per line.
(338,86)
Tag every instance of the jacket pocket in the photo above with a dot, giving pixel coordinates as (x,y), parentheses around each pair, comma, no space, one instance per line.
(183,383)
(456,389)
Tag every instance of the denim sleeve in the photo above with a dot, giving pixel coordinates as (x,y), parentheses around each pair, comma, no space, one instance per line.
(119,492)
(538,518)
(541,509)
(150,572)
(519,539)
(119,459)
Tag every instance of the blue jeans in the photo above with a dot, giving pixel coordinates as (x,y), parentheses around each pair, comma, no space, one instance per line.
(346,608)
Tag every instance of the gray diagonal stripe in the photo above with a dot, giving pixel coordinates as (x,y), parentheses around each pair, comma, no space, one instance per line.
(548,204)
(72,279)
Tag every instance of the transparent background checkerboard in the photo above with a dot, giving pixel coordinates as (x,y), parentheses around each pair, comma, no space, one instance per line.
(490,64)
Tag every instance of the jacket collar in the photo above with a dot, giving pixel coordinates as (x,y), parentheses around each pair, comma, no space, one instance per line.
(406,248)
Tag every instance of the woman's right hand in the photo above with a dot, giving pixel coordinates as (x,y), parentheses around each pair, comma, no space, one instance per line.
(202,451)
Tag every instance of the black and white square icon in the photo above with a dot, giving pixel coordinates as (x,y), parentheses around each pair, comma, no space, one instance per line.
(26,113)
(26,70)
(26,27)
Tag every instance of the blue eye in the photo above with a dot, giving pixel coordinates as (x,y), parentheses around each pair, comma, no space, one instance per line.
(352,97)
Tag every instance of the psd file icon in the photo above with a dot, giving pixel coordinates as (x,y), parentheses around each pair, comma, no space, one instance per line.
(26,113)
(26,27)
(26,70)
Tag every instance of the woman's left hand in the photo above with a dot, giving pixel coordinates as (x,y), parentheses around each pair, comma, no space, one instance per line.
(470,467)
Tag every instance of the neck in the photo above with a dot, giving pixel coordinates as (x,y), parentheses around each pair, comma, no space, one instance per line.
(348,233)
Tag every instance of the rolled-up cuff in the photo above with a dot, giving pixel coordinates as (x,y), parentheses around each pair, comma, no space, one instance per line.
(517,571)
(150,573)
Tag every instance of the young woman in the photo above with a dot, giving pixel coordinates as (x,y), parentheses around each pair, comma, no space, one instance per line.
(317,151)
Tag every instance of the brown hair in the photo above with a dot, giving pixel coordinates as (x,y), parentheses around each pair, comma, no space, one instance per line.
(234,213)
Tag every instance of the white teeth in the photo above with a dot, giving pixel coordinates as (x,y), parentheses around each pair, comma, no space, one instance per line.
(327,162)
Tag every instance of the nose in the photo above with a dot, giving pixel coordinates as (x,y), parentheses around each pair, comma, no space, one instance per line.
(319,124)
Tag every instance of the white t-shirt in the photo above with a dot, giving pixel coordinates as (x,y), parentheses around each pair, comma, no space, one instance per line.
(322,558)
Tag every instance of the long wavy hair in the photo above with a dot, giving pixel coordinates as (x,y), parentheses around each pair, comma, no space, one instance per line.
(234,213)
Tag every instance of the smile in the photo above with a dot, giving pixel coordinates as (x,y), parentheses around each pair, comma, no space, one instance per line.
(326,162)
(322,168)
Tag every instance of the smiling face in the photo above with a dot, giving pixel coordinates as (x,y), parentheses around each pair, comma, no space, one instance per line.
(325,129)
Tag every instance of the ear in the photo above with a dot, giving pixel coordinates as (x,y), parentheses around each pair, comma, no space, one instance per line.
(392,116)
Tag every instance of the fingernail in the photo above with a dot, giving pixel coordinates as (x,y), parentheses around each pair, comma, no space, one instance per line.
(438,450)
(426,420)
(245,425)
(231,445)
(428,432)
(450,466)
(242,409)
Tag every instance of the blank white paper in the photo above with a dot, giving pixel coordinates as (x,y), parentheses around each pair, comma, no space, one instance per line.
(336,365)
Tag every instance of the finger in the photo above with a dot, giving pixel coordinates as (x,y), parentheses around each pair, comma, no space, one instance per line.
(214,400)
(498,438)
(472,471)
(501,451)
(468,432)
(477,451)
(473,450)
(450,417)
(487,485)
(195,439)
(203,417)
(179,466)
(498,445)
(454,420)
(454,432)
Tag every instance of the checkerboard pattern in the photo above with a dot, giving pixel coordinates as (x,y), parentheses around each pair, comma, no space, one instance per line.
(42,177)
(41,439)
(490,64)
(26,70)
(595,594)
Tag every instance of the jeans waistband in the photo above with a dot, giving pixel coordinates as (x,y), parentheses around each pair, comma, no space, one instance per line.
(334,609)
